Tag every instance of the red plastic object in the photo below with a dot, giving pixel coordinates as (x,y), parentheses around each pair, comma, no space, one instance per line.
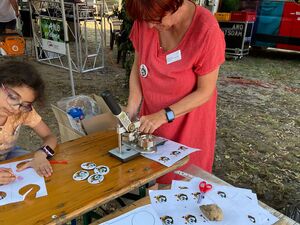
(290,24)
(243,16)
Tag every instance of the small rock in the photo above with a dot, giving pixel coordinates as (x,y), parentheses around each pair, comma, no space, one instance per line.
(212,212)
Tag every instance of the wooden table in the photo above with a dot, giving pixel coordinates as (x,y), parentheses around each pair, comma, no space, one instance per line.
(67,198)
(196,171)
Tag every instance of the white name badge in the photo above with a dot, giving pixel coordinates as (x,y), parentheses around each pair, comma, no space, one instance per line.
(173,57)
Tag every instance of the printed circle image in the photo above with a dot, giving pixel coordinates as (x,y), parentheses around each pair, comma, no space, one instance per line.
(182,197)
(222,194)
(80,175)
(2,195)
(146,217)
(101,170)
(190,219)
(88,165)
(95,179)
(161,198)
(167,220)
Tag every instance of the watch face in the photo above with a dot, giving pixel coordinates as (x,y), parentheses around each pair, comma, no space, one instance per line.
(49,151)
(170,115)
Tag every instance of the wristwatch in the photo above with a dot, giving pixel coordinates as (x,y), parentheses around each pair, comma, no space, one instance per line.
(169,114)
(49,151)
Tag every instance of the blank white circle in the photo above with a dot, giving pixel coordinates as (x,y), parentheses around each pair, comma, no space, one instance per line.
(145,217)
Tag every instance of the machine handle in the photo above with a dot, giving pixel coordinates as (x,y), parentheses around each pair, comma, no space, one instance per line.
(111,102)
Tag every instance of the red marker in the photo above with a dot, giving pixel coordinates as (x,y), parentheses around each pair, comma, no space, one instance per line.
(58,161)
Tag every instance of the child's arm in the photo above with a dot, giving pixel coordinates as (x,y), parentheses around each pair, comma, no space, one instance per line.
(45,134)
(40,162)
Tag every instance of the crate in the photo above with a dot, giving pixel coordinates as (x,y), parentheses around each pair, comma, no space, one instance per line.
(221,16)
(247,16)
(238,37)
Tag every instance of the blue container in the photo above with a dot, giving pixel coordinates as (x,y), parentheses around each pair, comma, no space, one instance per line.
(76,113)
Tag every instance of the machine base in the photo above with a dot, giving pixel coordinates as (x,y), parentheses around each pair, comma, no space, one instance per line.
(126,154)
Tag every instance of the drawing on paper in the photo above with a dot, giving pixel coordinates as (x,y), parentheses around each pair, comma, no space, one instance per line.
(161,198)
(182,197)
(27,185)
(144,216)
(29,191)
(190,219)
(167,220)
(2,195)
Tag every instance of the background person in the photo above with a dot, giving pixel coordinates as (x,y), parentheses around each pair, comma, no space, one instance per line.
(9,11)
(179,48)
(20,87)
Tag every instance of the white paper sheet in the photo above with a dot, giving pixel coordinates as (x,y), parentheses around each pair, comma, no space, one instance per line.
(144,215)
(170,152)
(179,205)
(26,177)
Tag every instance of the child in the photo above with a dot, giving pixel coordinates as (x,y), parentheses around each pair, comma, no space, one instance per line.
(20,87)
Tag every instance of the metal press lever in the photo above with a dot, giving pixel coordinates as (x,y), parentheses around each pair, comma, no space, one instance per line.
(117,111)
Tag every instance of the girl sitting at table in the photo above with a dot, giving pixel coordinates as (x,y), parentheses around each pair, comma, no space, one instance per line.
(21,86)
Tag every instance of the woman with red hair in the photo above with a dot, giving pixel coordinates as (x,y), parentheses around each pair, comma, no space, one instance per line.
(179,48)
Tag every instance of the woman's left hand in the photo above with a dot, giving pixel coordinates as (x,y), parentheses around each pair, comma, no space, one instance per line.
(40,164)
(151,122)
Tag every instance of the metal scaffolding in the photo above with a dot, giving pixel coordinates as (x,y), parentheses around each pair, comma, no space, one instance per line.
(84,35)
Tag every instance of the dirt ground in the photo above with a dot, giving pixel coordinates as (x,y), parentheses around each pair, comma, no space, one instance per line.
(258,119)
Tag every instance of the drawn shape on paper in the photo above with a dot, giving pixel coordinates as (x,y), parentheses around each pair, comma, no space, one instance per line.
(146,217)
(29,191)
(196,195)
(2,195)
(182,197)
(164,159)
(183,187)
(252,219)
(183,148)
(222,194)
(175,153)
(190,219)
(19,165)
(167,220)
(101,170)
(161,198)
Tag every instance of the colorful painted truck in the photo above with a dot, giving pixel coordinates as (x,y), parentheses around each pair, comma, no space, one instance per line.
(277,25)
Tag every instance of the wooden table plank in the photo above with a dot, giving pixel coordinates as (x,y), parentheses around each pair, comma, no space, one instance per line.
(193,170)
(67,198)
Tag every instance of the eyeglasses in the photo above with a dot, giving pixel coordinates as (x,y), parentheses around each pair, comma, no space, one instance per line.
(13,99)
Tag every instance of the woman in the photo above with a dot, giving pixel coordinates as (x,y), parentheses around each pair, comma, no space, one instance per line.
(179,48)
(20,87)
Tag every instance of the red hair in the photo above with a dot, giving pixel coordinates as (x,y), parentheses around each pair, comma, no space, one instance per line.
(151,10)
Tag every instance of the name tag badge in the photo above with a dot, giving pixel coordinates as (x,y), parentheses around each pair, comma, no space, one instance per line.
(173,57)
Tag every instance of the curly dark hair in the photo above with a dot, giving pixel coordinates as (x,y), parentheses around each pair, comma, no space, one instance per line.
(17,74)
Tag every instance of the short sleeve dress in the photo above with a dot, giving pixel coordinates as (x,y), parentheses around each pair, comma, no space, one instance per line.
(167,77)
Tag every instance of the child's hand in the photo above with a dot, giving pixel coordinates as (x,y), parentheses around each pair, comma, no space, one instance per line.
(40,164)
(6,176)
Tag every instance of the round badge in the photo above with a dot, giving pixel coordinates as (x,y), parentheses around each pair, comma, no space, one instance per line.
(101,170)
(81,175)
(95,179)
(88,165)
(143,70)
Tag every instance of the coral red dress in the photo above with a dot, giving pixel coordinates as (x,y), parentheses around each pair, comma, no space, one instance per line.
(167,77)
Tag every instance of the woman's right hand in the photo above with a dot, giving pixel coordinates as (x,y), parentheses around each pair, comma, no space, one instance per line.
(6,176)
